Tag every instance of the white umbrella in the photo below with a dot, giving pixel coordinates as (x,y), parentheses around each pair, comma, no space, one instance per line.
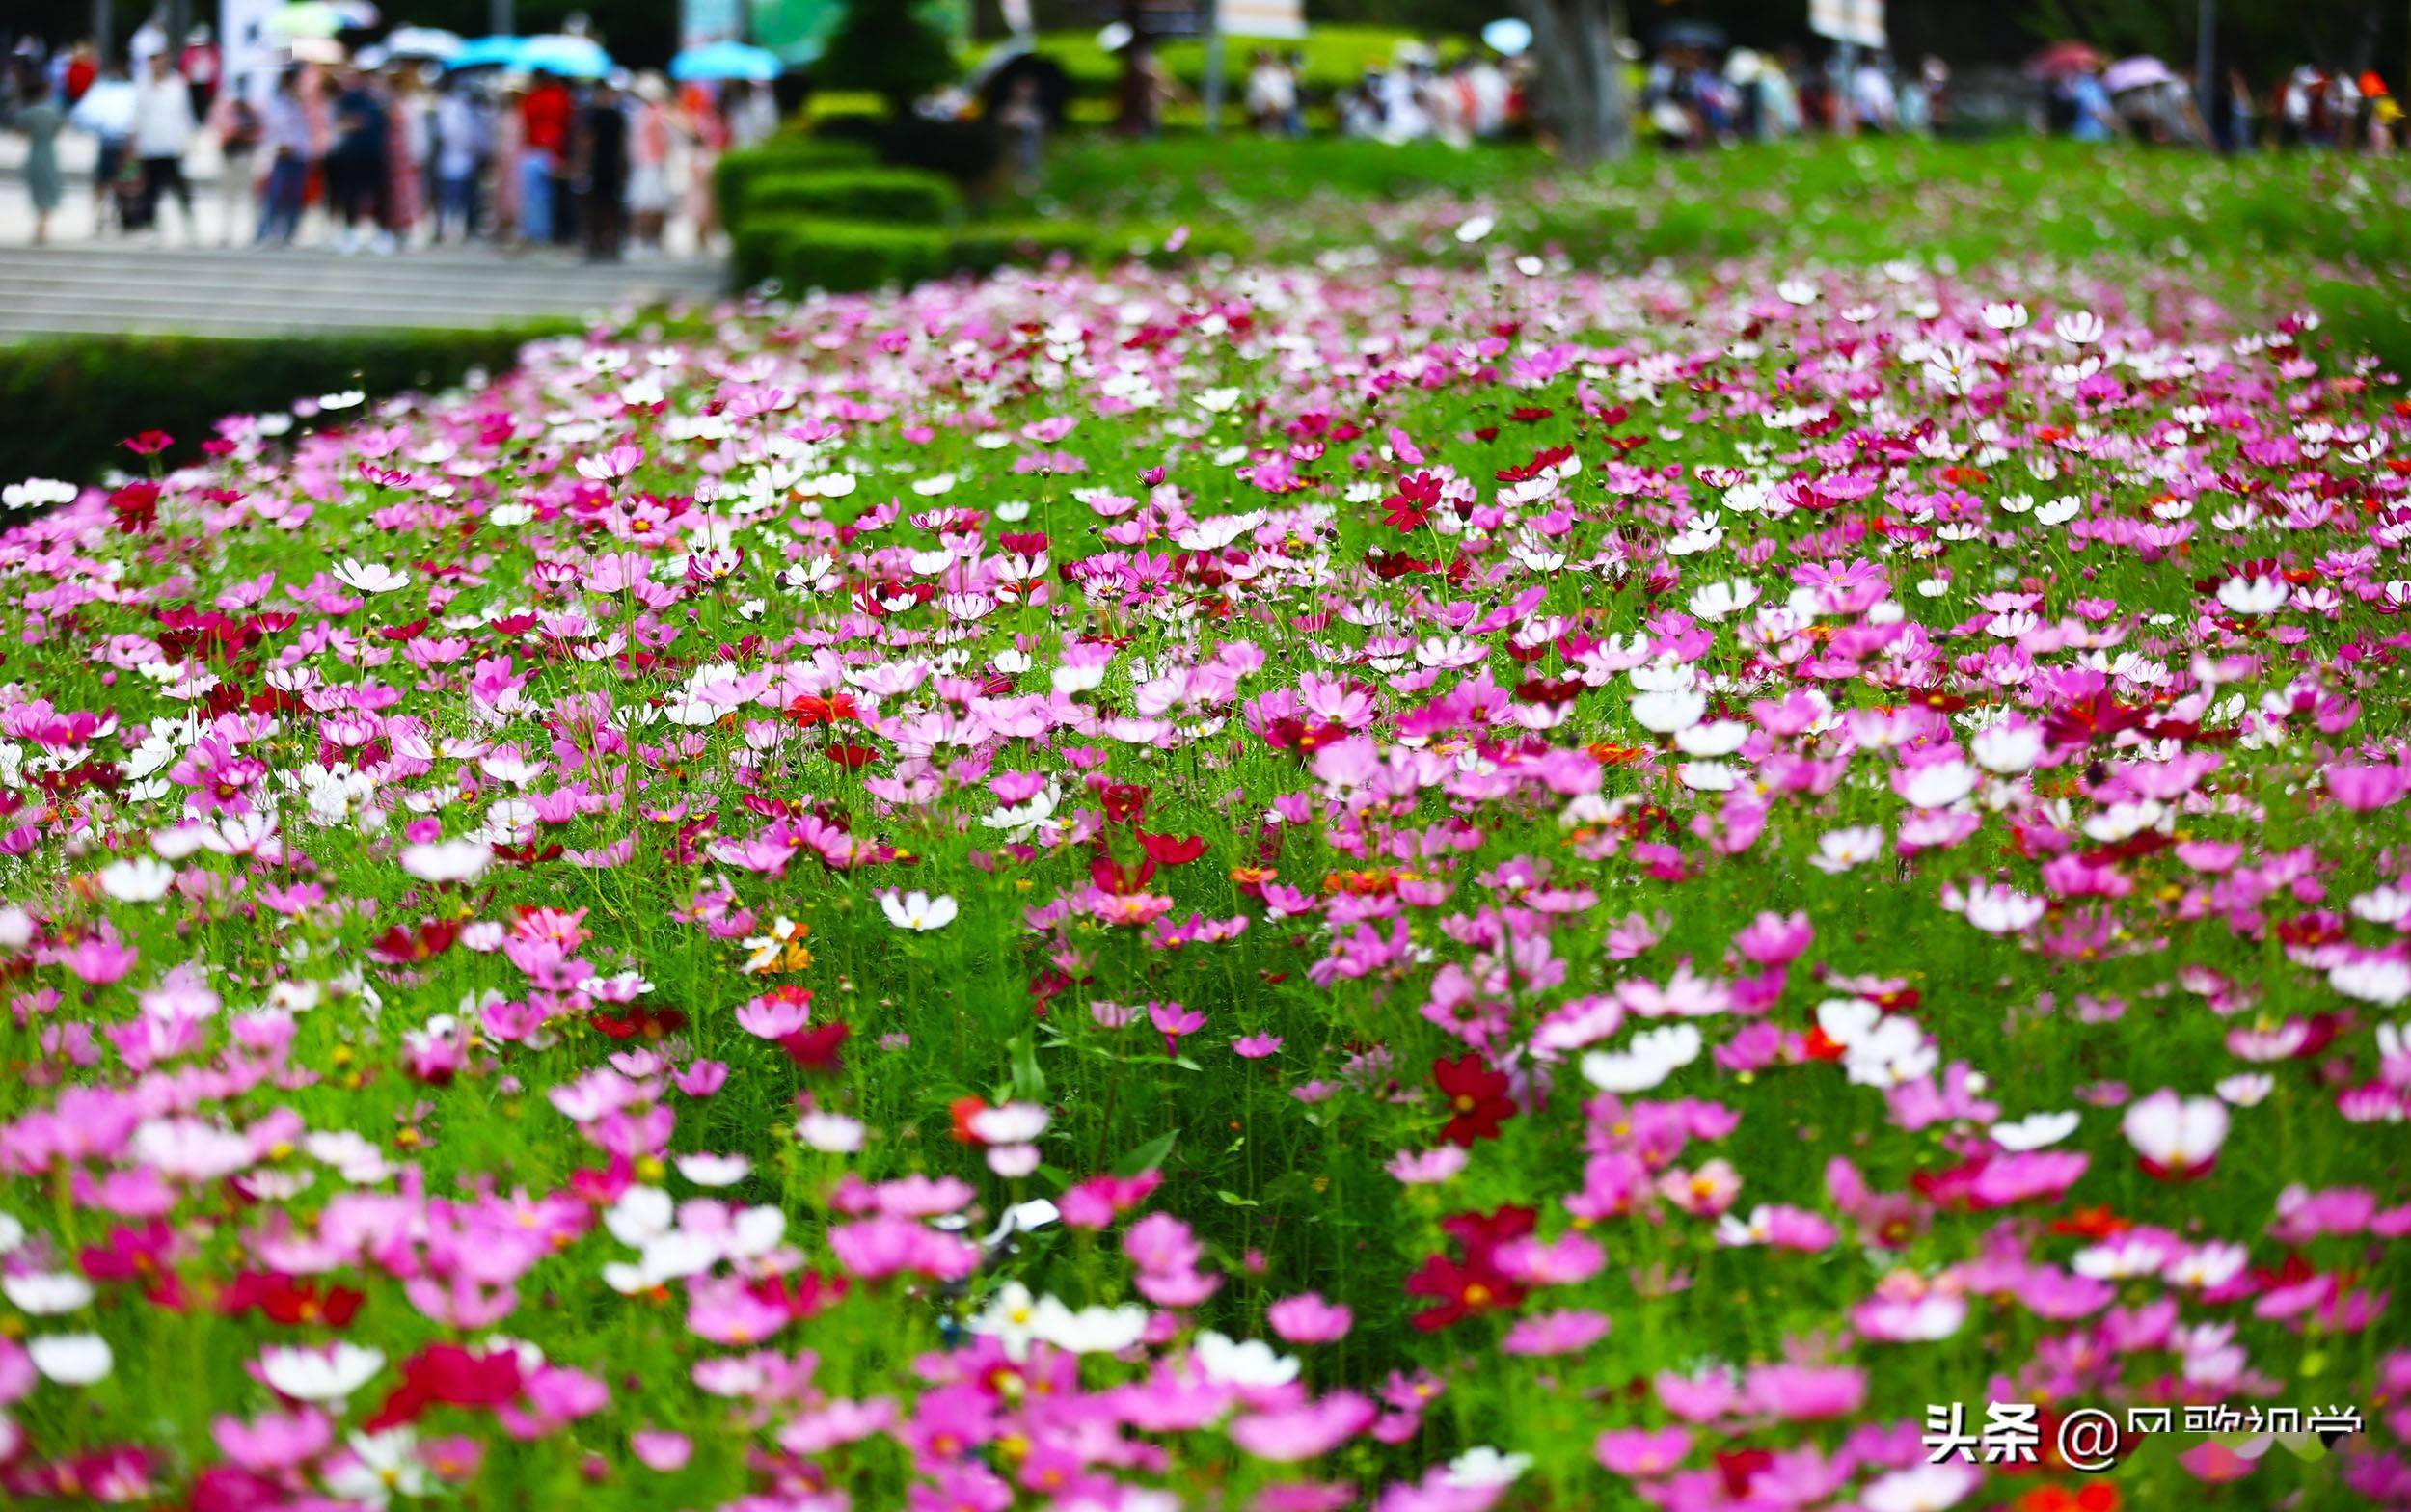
(2135,74)
(1507,36)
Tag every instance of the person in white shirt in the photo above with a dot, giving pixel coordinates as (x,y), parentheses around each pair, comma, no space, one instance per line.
(1271,94)
(1878,101)
(163,127)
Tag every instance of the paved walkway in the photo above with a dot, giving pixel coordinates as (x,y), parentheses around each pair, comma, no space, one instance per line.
(201,280)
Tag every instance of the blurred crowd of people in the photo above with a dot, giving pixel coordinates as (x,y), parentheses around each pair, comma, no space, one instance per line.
(1473,96)
(381,159)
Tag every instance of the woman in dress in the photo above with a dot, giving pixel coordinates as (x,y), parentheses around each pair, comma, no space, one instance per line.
(40,121)
(648,162)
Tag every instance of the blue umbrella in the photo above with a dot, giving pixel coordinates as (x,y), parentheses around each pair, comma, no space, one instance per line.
(564,56)
(486,52)
(725,60)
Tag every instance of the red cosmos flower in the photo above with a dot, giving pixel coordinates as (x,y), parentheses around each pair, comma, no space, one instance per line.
(2092,1223)
(286,1299)
(1480,1235)
(798,1296)
(1126,802)
(1738,1468)
(851,757)
(138,1254)
(809,710)
(136,507)
(1109,876)
(448,1375)
(963,1110)
(1478,1100)
(1169,851)
(400,946)
(1461,1290)
(1408,508)
(814,1049)
(641,1022)
(149,443)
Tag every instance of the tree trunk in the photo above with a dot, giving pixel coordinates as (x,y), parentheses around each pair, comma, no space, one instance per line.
(1578,80)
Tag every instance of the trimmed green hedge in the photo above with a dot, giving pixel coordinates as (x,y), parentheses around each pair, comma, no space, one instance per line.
(733,176)
(908,195)
(808,252)
(811,251)
(72,400)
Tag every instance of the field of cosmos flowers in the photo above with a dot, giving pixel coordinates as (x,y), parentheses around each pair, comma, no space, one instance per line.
(1355,885)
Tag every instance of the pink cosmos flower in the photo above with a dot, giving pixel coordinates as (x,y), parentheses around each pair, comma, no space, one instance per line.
(1308,1320)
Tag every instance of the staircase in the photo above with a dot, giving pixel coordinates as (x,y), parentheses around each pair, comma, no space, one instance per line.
(103,287)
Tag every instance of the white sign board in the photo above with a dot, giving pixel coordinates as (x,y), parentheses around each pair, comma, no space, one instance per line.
(1278,18)
(1860,21)
(250,54)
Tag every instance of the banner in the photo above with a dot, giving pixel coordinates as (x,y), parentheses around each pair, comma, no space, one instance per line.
(701,21)
(249,53)
(1278,18)
(1860,21)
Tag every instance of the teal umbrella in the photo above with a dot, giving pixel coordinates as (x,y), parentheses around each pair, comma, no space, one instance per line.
(725,60)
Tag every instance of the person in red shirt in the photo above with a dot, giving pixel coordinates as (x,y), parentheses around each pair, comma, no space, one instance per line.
(83,65)
(544,117)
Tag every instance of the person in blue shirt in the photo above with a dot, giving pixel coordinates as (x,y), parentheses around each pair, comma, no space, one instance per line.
(2096,119)
(356,163)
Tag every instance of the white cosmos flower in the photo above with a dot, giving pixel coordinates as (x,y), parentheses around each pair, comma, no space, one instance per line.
(382,1465)
(830,1133)
(642,1214)
(1008,1318)
(70,1359)
(318,1375)
(1921,1488)
(1474,229)
(370,578)
(1893,1052)
(1840,849)
(45,1293)
(2253,596)
(143,879)
(1650,1058)
(2374,979)
(446,860)
(1014,1123)
(1997,909)
(705,1170)
(2007,749)
(2248,1089)
(1666,711)
(1088,1331)
(1248,1362)
(2035,1131)
(2176,1133)
(1939,784)
(1721,600)
(1485,1466)
(2078,327)
(917,911)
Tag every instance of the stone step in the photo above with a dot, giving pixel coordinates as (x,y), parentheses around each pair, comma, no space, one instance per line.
(96,288)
